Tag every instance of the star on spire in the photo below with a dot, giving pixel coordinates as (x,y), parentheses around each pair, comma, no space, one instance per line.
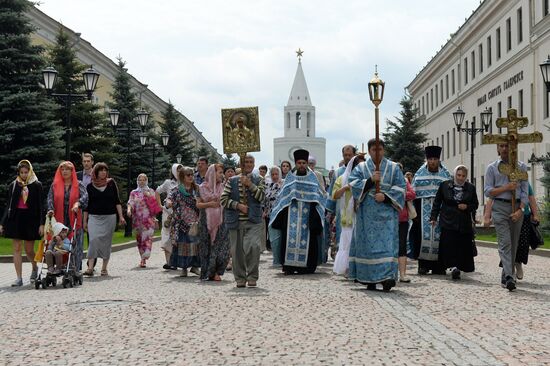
(299,54)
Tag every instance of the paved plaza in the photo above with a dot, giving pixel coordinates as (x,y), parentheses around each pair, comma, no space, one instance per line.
(153,317)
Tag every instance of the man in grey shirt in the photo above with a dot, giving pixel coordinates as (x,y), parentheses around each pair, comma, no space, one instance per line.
(507,223)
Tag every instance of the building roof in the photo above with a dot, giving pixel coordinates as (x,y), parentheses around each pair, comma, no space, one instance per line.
(299,95)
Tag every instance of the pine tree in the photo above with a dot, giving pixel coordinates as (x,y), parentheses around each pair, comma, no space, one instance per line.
(402,138)
(28,129)
(229,161)
(90,127)
(180,141)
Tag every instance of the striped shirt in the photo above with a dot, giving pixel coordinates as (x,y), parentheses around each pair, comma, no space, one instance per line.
(258,192)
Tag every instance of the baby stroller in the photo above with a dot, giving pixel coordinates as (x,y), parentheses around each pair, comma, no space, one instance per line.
(70,276)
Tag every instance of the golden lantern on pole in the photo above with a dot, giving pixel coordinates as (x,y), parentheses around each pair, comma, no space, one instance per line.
(376,95)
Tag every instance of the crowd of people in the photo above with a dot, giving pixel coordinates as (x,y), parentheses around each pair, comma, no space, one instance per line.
(369,214)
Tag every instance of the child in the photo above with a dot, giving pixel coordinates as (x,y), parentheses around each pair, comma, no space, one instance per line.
(58,247)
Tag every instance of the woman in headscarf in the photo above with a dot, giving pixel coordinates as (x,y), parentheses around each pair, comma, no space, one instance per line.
(100,217)
(23,219)
(455,203)
(341,192)
(184,226)
(142,208)
(213,236)
(66,200)
(271,193)
(165,189)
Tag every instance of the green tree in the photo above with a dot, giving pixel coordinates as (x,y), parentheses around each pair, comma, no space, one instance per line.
(90,127)
(229,161)
(180,141)
(28,129)
(403,139)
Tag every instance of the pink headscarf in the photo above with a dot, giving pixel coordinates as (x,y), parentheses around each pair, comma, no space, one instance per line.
(211,190)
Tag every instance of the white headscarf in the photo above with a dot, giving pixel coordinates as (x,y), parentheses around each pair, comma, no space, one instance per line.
(144,187)
(275,167)
(345,177)
(174,170)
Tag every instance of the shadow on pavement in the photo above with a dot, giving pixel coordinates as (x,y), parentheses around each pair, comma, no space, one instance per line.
(248,292)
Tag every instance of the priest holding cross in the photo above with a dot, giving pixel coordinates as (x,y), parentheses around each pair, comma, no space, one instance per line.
(506,183)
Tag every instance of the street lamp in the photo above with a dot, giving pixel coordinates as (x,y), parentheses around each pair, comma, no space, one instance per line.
(142,117)
(153,147)
(545,69)
(376,95)
(89,77)
(486,120)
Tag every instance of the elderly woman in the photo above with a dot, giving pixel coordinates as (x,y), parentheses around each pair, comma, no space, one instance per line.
(454,204)
(100,217)
(142,208)
(184,226)
(271,193)
(23,219)
(165,189)
(66,200)
(214,240)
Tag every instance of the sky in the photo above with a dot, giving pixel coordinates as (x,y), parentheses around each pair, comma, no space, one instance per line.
(208,55)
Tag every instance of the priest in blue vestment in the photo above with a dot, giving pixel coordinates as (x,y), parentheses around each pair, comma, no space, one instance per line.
(375,241)
(298,214)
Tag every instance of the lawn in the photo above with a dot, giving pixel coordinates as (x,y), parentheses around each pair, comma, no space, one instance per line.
(493,238)
(118,238)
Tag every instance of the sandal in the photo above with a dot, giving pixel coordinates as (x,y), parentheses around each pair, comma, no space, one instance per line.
(104,272)
(89,272)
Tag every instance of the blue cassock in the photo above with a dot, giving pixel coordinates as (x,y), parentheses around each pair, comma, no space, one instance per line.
(297,194)
(375,240)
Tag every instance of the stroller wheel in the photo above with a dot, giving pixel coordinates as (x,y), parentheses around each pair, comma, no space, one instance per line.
(64,282)
(37,284)
(80,280)
(44,285)
(54,281)
(71,282)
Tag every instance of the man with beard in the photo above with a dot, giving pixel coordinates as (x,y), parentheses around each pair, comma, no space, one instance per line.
(298,214)
(375,241)
(425,237)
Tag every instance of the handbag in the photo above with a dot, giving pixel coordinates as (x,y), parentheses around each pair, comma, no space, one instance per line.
(411,210)
(194,229)
(536,239)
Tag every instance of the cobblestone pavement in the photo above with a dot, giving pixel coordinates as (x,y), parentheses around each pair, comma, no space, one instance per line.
(151,316)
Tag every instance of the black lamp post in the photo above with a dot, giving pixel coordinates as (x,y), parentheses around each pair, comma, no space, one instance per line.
(486,120)
(153,147)
(545,69)
(90,78)
(142,117)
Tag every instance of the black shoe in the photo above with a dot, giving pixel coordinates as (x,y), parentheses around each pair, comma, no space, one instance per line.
(167,266)
(440,272)
(371,287)
(510,284)
(455,274)
(387,285)
(422,271)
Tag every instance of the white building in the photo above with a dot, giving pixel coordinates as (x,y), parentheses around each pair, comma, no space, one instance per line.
(299,125)
(492,61)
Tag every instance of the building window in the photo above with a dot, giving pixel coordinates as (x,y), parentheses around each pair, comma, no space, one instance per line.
(520,102)
(448,146)
(491,125)
(466,71)
(520,26)
(454,141)
(509,102)
(423,106)
(431,99)
(436,96)
(446,86)
(453,81)
(545,7)
(508,34)
(499,114)
(427,103)
(473,54)
(498,43)
(442,147)
(437,141)
(489,55)
(480,58)
(441,90)
(298,119)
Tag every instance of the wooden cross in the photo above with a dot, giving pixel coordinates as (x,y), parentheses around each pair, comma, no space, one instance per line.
(512,138)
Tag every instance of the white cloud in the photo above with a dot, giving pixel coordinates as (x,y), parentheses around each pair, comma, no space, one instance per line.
(209,55)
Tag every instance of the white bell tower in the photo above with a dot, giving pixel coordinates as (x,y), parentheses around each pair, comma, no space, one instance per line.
(299,123)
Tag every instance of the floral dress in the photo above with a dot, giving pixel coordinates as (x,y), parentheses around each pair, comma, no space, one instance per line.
(144,209)
(185,214)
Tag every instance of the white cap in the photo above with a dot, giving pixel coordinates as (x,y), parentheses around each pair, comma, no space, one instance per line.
(58,227)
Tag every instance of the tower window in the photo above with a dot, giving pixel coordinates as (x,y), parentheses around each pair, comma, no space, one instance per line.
(298,119)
